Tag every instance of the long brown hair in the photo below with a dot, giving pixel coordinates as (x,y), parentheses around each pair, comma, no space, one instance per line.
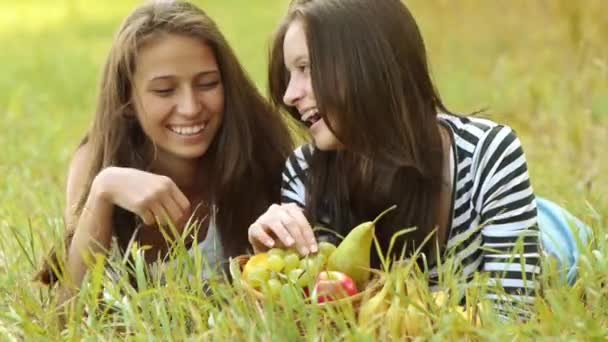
(247,154)
(370,75)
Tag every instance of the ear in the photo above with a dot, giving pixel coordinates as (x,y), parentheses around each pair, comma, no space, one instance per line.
(129,113)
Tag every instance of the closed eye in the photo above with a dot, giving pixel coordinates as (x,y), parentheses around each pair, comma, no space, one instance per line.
(303,68)
(163,92)
(208,85)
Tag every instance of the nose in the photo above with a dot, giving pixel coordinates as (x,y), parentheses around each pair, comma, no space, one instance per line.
(188,103)
(294,92)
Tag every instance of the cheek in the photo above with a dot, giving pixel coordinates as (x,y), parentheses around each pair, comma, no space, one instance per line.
(308,88)
(215,101)
(153,107)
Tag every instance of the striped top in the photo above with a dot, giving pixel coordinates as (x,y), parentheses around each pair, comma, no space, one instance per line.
(493,204)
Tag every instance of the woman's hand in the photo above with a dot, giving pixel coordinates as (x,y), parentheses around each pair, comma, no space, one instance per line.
(282,226)
(149,196)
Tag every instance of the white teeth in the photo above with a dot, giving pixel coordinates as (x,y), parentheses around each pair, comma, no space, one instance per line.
(309,113)
(187,130)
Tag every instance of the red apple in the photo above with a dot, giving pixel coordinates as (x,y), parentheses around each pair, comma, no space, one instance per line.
(332,285)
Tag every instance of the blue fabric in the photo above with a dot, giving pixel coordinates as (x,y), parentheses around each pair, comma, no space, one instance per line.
(561,236)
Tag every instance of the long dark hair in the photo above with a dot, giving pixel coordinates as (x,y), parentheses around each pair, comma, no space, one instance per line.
(246,156)
(370,75)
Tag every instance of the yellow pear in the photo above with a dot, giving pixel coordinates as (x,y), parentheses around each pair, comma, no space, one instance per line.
(375,305)
(441,298)
(352,255)
(470,314)
(395,318)
(415,322)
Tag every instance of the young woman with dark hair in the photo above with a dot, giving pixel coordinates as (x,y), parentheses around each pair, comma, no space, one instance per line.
(355,72)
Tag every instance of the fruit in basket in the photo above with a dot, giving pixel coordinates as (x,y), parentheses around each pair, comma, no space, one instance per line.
(332,285)
(440,298)
(471,314)
(376,305)
(415,322)
(299,277)
(292,261)
(274,287)
(275,262)
(258,277)
(352,255)
(256,270)
(326,248)
(276,251)
(265,271)
(313,264)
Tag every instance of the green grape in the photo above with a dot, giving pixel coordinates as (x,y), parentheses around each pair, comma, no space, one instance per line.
(258,276)
(274,287)
(275,262)
(295,274)
(276,251)
(305,280)
(300,277)
(326,248)
(320,261)
(313,264)
(289,295)
(307,264)
(292,261)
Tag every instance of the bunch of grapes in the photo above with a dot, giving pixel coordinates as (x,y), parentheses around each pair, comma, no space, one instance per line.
(271,271)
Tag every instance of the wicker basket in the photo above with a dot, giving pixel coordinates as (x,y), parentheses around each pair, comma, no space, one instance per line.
(373,286)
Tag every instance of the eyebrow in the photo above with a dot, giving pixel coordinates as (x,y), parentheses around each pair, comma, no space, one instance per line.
(202,73)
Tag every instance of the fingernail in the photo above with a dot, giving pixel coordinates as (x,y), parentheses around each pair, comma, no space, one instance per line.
(290,241)
(313,248)
(304,251)
(270,243)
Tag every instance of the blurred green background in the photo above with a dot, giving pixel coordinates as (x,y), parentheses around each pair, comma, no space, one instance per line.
(539,66)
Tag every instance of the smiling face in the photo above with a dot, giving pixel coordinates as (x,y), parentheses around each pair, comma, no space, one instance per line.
(299,93)
(178,95)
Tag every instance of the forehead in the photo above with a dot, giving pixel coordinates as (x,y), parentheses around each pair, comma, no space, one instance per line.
(172,54)
(294,43)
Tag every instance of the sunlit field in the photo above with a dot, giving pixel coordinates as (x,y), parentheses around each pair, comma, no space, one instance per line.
(538,66)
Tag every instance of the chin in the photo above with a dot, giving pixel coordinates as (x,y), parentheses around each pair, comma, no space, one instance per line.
(190,154)
(327,144)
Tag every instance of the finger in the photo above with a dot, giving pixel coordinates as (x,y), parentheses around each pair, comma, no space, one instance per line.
(173,210)
(258,236)
(160,214)
(307,233)
(295,231)
(181,199)
(147,217)
(276,228)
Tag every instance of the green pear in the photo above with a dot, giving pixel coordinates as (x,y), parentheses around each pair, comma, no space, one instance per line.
(353,253)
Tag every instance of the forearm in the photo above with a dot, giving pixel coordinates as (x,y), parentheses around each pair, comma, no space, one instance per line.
(93,235)
(512,259)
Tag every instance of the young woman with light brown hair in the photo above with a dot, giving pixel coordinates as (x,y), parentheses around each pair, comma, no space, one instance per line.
(180,133)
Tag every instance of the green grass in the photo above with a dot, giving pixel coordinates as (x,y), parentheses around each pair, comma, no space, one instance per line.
(539,66)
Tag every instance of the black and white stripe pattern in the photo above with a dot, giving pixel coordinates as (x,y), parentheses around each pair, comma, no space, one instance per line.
(494,220)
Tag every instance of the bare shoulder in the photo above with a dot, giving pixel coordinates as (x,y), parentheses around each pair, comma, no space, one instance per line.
(77,177)
(81,159)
